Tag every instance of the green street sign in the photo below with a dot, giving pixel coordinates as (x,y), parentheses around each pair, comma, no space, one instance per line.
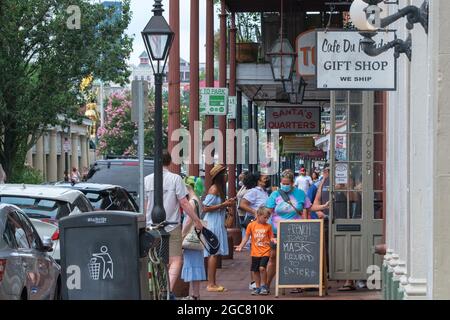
(214,101)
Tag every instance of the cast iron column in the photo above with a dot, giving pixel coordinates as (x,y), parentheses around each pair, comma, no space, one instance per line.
(194,89)
(174,79)
(209,76)
(223,79)
(232,123)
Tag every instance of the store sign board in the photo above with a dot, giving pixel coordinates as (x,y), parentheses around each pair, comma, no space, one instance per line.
(294,120)
(306,53)
(294,144)
(343,65)
(214,101)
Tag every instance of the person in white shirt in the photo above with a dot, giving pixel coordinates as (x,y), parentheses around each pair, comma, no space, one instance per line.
(303,181)
(174,196)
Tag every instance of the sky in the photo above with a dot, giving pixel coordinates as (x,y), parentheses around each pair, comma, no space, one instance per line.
(142,11)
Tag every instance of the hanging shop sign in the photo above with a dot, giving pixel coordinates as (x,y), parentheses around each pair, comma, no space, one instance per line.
(293,144)
(294,120)
(214,101)
(343,65)
(306,53)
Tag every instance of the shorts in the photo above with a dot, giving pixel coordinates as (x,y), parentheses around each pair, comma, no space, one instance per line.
(175,242)
(259,262)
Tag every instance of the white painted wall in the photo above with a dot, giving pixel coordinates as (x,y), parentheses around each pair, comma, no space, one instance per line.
(418,170)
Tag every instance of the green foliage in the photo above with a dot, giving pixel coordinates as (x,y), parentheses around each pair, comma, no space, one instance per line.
(43,63)
(248,27)
(27,175)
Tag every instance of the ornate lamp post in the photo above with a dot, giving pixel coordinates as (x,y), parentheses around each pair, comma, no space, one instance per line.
(158,39)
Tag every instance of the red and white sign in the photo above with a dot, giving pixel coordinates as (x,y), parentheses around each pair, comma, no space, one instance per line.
(293,120)
(306,53)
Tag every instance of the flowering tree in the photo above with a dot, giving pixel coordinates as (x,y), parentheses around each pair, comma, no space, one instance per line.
(116,137)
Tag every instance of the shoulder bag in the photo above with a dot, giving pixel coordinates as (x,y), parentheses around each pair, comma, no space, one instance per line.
(286,198)
(192,241)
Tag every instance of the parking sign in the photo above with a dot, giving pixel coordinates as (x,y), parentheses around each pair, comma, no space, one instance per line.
(214,101)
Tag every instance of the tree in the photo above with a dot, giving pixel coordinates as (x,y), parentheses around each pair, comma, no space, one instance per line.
(116,137)
(43,61)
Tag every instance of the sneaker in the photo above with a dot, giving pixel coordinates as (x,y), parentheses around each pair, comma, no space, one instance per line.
(252,286)
(256,292)
(190,298)
(264,291)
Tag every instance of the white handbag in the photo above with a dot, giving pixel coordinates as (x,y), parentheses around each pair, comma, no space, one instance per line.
(191,241)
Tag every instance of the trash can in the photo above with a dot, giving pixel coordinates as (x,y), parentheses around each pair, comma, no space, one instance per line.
(103,256)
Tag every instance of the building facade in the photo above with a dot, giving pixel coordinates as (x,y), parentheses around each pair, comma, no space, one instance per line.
(61,149)
(418,153)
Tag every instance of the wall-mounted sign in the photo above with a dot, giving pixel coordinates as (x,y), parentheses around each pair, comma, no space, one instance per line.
(214,101)
(294,120)
(293,144)
(343,65)
(232,106)
(306,53)
(341,173)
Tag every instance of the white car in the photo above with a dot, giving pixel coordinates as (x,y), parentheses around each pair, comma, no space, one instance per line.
(45,205)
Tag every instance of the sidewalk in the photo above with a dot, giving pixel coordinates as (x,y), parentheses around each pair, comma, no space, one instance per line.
(235,276)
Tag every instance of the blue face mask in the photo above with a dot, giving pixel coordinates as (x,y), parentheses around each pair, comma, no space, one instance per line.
(286,188)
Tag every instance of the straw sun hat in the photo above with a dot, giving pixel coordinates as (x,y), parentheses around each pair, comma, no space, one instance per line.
(216,170)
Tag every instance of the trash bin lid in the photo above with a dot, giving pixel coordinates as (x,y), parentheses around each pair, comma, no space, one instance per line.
(102,218)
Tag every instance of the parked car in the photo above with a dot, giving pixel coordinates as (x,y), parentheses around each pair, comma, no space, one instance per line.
(104,196)
(46,205)
(119,172)
(27,271)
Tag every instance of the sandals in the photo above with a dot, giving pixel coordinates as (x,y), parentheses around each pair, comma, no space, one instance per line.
(348,287)
(216,289)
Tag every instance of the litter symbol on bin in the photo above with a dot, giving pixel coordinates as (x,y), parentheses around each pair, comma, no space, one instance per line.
(101,265)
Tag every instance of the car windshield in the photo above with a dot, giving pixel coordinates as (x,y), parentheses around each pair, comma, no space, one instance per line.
(95,198)
(124,174)
(38,208)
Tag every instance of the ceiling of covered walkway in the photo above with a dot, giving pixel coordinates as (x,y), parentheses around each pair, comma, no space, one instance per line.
(275,5)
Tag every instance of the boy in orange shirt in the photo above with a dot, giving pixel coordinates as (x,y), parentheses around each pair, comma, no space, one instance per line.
(261,234)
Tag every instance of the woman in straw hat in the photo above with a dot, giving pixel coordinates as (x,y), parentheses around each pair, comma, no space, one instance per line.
(215,205)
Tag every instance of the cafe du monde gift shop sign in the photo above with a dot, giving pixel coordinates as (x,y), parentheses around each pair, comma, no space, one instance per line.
(343,65)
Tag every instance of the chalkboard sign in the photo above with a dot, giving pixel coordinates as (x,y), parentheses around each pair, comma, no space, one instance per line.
(300,255)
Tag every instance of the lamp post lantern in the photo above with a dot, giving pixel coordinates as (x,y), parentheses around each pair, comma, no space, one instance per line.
(158,38)
(282,58)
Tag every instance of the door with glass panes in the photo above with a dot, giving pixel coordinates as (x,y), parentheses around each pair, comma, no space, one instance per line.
(356,217)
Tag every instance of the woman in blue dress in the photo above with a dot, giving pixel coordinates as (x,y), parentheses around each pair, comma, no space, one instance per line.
(215,205)
(193,260)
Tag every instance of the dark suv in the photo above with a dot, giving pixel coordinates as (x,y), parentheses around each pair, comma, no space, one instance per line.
(105,196)
(119,172)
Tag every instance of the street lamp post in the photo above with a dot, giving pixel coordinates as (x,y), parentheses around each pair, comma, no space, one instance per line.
(158,39)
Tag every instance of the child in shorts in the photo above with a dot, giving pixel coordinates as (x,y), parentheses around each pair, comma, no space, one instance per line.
(261,236)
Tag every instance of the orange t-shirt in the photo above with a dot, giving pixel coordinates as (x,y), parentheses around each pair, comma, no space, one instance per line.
(261,235)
